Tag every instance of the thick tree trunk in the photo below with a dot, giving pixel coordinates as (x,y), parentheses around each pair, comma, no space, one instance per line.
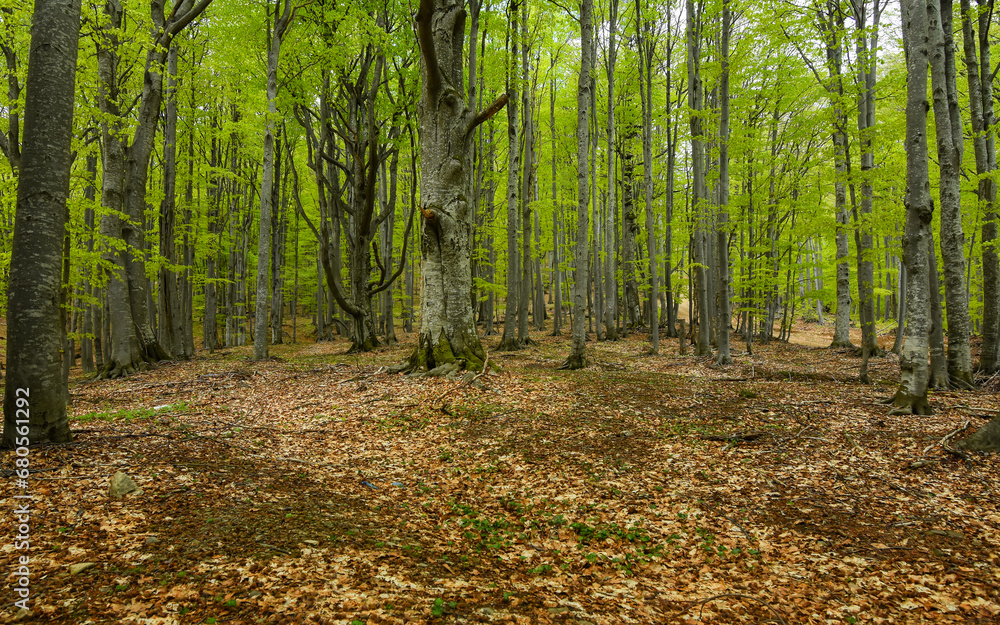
(577,355)
(448,339)
(949,148)
(989,359)
(980,81)
(911,398)
(35,392)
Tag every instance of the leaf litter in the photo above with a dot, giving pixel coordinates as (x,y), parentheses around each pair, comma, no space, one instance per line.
(315,488)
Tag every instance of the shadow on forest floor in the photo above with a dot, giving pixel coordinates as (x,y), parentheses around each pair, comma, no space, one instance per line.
(313,488)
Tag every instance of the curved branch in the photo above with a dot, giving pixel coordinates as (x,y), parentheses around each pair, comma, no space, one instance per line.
(423,18)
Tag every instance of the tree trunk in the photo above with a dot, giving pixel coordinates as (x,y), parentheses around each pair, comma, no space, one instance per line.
(35,392)
(980,100)
(911,398)
(724,312)
(646,44)
(577,357)
(699,253)
(508,341)
(262,311)
(448,339)
(610,284)
(171,328)
(949,148)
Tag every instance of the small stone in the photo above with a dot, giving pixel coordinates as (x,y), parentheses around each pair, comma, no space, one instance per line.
(80,567)
(256,593)
(122,485)
(558,610)
(488,611)
(314,543)
(152,540)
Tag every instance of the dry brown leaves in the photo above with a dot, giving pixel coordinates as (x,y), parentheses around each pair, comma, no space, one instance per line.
(317,489)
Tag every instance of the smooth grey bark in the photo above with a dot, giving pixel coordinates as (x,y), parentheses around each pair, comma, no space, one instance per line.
(610,284)
(557,311)
(911,397)
(990,356)
(124,353)
(527,163)
(448,338)
(645,43)
(90,335)
(279,226)
(949,149)
(210,333)
(724,313)
(508,340)
(262,311)
(980,80)
(699,255)
(35,391)
(867,57)
(939,378)
(901,318)
(577,354)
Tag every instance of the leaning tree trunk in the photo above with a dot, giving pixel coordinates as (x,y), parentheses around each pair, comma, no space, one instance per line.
(911,398)
(35,392)
(448,339)
(577,358)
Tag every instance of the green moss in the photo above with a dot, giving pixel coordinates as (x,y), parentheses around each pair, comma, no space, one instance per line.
(442,351)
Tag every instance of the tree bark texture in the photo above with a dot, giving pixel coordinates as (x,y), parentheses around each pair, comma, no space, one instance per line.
(35,392)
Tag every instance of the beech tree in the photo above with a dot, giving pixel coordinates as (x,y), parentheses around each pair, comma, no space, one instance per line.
(911,398)
(448,338)
(35,389)
(577,354)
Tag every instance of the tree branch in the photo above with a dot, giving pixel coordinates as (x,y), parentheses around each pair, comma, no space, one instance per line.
(488,113)
(426,38)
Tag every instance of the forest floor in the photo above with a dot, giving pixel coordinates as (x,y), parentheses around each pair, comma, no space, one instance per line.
(315,488)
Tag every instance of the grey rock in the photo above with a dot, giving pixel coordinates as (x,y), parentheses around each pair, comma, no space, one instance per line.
(122,485)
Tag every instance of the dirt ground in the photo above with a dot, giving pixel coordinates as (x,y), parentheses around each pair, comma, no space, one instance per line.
(315,488)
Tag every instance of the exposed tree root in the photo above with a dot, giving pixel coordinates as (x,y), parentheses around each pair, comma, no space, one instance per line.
(437,358)
(909,404)
(572,363)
